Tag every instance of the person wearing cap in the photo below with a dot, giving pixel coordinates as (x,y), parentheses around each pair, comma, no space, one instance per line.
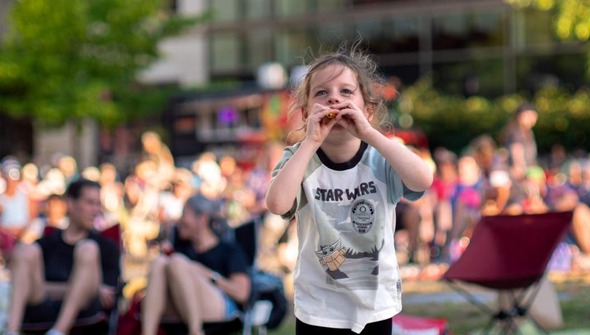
(16,208)
(204,278)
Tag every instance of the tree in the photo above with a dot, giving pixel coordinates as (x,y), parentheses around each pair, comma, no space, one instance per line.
(64,60)
(571,17)
(451,121)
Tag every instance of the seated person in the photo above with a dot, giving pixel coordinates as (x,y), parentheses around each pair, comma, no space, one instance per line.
(68,274)
(203,280)
(54,214)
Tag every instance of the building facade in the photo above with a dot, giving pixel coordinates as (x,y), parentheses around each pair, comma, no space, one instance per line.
(467,47)
(470,47)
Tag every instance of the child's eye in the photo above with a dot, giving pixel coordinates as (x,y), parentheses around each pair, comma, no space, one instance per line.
(346,91)
(320,93)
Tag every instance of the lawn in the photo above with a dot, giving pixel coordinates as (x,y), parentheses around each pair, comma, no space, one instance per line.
(464,317)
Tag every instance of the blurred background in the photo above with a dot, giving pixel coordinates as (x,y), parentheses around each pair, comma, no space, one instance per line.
(85,79)
(160,99)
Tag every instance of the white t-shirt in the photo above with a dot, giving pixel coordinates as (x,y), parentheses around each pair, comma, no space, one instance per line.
(15,210)
(347,273)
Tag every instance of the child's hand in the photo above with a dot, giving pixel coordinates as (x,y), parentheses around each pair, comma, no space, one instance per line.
(353,119)
(319,122)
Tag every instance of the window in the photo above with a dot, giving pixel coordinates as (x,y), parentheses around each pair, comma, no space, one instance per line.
(331,34)
(487,29)
(258,9)
(450,32)
(402,35)
(331,5)
(225,10)
(371,31)
(292,46)
(225,52)
(259,47)
(286,8)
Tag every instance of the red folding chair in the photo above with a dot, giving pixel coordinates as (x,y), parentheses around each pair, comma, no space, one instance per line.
(510,254)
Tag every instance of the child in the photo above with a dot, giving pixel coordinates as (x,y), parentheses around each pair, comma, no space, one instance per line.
(342,182)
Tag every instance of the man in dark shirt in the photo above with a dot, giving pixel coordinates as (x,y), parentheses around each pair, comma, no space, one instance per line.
(69,274)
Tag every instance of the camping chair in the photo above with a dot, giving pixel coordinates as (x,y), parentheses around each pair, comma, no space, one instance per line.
(267,304)
(105,322)
(509,254)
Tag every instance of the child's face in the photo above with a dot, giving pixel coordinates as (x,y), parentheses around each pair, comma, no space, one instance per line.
(333,85)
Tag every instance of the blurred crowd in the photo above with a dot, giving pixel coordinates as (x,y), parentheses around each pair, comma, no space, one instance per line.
(145,201)
(489,177)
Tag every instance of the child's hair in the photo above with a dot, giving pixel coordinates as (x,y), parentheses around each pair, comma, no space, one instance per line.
(369,81)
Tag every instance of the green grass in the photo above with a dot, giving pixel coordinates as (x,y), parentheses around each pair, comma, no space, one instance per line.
(464,317)
(286,328)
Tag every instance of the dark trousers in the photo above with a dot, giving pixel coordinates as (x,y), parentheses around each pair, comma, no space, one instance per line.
(375,328)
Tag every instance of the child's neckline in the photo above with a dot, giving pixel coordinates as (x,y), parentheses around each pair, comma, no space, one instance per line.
(344,165)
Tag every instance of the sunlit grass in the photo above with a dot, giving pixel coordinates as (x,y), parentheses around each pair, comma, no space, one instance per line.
(463,317)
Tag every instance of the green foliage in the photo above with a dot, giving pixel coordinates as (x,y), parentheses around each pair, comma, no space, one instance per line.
(571,18)
(453,121)
(68,60)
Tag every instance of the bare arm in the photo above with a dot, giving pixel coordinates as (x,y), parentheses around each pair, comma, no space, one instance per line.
(285,186)
(411,168)
(237,285)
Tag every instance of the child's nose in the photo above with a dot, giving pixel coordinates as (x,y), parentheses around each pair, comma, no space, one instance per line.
(333,99)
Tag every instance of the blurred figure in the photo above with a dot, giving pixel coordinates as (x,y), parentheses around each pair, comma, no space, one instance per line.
(573,171)
(415,228)
(445,182)
(466,203)
(142,194)
(535,191)
(30,180)
(154,150)
(277,246)
(16,210)
(172,201)
(111,194)
(68,167)
(209,180)
(53,214)
(203,280)
(584,188)
(53,182)
(562,196)
(494,172)
(239,198)
(228,166)
(557,158)
(91,173)
(519,140)
(67,274)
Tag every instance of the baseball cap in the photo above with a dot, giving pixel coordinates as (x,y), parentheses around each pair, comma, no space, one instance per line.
(10,167)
